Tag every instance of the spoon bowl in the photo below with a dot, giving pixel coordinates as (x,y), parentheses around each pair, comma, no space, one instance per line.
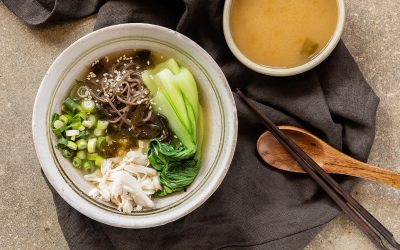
(329,158)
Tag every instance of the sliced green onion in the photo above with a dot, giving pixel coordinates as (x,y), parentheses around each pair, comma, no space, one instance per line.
(87,124)
(81,115)
(71,132)
(62,142)
(70,105)
(81,128)
(73,138)
(81,144)
(90,122)
(66,153)
(92,157)
(76,162)
(92,145)
(81,154)
(82,91)
(102,124)
(88,166)
(98,161)
(72,145)
(100,142)
(76,122)
(58,124)
(58,131)
(88,105)
(54,118)
(65,118)
(75,125)
(83,134)
(98,132)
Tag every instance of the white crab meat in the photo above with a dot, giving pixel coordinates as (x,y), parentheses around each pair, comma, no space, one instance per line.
(126,182)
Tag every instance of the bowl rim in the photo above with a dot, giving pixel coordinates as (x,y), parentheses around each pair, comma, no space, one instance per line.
(86,208)
(277,71)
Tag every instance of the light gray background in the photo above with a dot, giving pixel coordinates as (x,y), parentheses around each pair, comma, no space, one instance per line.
(27,214)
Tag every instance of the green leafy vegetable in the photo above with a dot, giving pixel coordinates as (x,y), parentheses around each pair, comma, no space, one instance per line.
(175,96)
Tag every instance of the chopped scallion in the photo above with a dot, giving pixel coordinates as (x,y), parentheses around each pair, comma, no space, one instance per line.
(66,153)
(92,145)
(81,144)
(76,162)
(100,142)
(98,161)
(81,115)
(54,118)
(58,124)
(81,154)
(70,105)
(62,142)
(65,118)
(91,121)
(88,166)
(88,105)
(72,145)
(92,157)
(58,131)
(98,132)
(83,134)
(75,125)
(102,124)
(72,132)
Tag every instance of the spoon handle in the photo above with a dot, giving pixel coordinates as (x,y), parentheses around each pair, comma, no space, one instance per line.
(366,171)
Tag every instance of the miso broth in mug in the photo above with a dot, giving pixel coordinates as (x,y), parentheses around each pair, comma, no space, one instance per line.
(282,33)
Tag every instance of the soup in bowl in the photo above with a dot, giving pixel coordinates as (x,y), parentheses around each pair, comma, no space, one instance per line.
(282,38)
(122,125)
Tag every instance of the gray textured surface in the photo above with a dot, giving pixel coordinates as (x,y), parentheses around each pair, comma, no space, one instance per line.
(27,214)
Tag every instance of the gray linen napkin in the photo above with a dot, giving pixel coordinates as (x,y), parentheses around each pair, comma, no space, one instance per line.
(256,207)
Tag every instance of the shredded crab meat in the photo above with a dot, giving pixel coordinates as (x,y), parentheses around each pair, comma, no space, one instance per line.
(127,182)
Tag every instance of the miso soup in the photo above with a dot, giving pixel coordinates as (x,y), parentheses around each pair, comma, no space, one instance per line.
(282,33)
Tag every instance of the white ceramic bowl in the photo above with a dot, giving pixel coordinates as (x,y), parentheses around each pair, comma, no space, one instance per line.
(275,71)
(215,95)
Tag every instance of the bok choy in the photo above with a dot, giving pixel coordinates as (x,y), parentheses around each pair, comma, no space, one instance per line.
(175,96)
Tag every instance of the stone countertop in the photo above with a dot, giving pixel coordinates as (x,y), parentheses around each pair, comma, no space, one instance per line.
(27,212)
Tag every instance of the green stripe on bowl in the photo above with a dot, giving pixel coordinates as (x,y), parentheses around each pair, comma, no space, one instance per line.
(103,205)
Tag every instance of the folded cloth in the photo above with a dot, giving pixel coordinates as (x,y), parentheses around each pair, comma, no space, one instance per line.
(256,206)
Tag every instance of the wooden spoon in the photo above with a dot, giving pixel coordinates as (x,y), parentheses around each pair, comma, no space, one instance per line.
(330,159)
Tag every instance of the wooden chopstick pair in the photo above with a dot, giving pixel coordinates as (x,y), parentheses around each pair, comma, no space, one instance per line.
(363,219)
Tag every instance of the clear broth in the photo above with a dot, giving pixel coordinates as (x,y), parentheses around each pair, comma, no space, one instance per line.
(282,33)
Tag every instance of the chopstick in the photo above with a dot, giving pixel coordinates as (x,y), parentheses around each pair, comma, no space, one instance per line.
(366,222)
